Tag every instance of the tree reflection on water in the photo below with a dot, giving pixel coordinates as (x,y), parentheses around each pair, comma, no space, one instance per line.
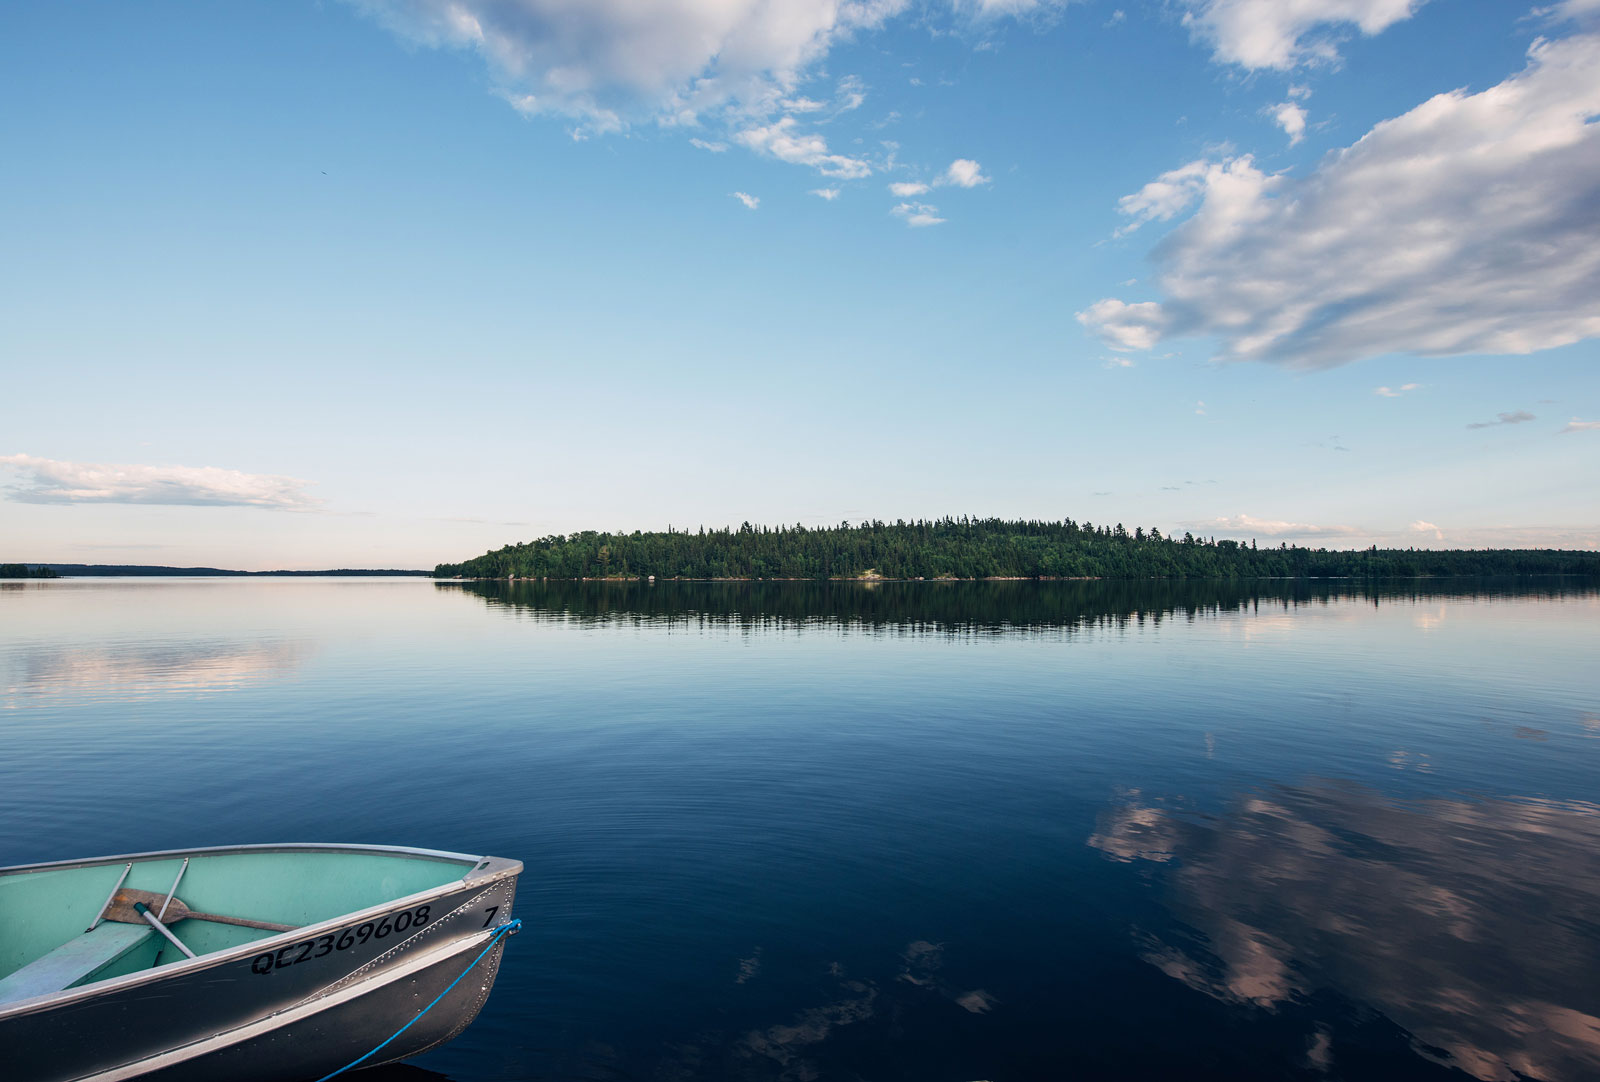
(968,607)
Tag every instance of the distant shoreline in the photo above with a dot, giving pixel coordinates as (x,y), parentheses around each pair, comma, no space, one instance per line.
(158,571)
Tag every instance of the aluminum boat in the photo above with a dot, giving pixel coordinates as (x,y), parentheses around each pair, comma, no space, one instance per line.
(254,963)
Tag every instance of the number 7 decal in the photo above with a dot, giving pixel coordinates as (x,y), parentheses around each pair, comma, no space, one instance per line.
(493,909)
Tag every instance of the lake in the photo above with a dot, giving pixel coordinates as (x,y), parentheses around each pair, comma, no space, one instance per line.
(923,831)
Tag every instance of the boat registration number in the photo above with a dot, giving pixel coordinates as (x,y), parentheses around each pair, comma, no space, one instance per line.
(342,940)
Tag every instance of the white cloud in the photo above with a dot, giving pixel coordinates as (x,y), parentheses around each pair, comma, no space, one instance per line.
(1463,226)
(852,92)
(1389,392)
(45,480)
(829,194)
(1576,425)
(609,59)
(1577,10)
(918,214)
(783,141)
(743,70)
(1417,533)
(1291,118)
(1125,326)
(1516,417)
(1263,527)
(1282,34)
(1009,7)
(1200,409)
(964,173)
(747,199)
(1168,195)
(1116,362)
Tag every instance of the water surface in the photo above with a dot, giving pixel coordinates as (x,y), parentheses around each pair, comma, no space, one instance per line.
(908,831)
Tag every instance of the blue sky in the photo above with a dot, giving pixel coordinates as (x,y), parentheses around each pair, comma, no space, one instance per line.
(394,282)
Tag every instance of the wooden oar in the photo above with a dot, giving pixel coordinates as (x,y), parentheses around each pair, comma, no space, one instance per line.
(122,910)
(150,919)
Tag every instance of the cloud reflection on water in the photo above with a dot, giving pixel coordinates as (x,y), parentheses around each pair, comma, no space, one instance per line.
(1472,924)
(864,1012)
(140,670)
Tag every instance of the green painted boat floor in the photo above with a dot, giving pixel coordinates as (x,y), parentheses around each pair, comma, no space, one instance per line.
(43,913)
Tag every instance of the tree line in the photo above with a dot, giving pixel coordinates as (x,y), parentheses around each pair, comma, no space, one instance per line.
(24,571)
(977,548)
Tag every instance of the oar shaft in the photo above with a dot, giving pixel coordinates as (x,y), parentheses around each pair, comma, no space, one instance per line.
(243,922)
(150,918)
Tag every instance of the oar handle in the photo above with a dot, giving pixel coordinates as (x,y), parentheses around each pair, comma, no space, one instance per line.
(150,918)
(243,922)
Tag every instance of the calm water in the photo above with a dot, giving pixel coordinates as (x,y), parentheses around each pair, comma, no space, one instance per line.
(925,832)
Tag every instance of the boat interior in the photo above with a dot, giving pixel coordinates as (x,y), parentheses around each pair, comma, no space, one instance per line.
(55,935)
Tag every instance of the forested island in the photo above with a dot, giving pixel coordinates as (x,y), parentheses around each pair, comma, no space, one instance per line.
(978,548)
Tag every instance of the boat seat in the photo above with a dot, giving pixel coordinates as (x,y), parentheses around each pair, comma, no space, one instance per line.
(74,960)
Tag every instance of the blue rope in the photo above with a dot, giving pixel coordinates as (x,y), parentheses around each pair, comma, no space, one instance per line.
(499,933)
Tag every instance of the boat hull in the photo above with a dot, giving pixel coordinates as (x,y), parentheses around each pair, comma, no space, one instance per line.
(292,1006)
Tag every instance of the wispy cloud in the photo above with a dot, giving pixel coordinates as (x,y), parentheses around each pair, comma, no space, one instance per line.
(852,92)
(480,521)
(747,199)
(708,144)
(1515,417)
(1123,326)
(1389,392)
(1167,196)
(829,194)
(1266,527)
(905,189)
(783,140)
(1576,425)
(1420,526)
(44,480)
(918,214)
